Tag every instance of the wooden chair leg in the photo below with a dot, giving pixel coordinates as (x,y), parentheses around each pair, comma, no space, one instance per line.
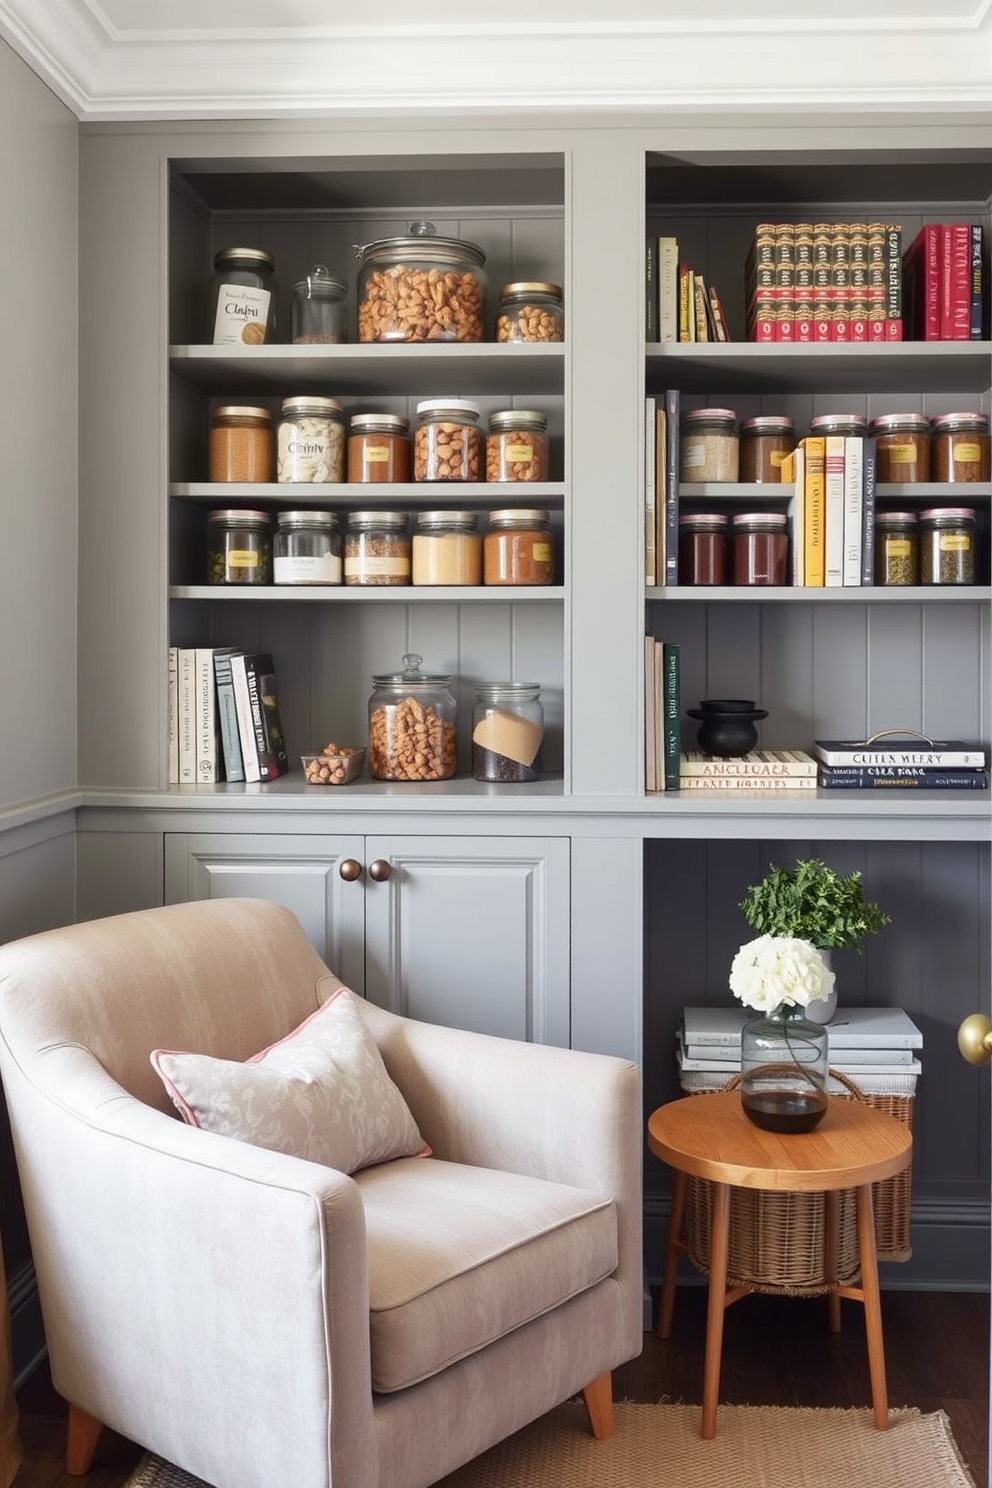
(81,1439)
(598,1397)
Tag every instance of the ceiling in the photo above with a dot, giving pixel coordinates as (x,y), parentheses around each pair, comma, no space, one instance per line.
(135,59)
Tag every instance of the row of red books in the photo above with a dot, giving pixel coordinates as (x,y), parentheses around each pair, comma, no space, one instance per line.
(943,279)
(813,282)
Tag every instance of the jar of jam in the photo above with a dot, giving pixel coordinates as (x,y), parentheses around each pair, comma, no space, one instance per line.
(377,548)
(242,448)
(761,548)
(530,310)
(320,309)
(959,447)
(947,545)
(708,445)
(243,297)
(379,448)
(307,548)
(896,559)
(517,446)
(518,548)
(765,442)
(421,288)
(703,547)
(903,445)
(310,440)
(447,548)
(411,725)
(447,443)
(847,424)
(239,547)
(507,732)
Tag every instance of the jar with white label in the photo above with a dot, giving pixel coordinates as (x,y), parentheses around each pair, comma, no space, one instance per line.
(243,297)
(307,548)
(377,548)
(708,445)
(517,445)
(310,440)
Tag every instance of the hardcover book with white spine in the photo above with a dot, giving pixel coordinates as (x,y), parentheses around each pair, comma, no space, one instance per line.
(850,1028)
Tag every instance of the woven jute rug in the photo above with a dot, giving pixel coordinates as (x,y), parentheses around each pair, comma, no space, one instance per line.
(654,1445)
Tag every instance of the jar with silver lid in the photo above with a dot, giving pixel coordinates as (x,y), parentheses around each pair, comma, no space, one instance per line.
(708,445)
(411,724)
(517,445)
(239,547)
(377,548)
(310,440)
(447,548)
(447,442)
(507,732)
(378,448)
(307,548)
(530,310)
(320,309)
(421,288)
(243,297)
(947,545)
(852,424)
(765,442)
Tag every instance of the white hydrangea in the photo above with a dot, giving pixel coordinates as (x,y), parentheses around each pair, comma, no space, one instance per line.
(779,969)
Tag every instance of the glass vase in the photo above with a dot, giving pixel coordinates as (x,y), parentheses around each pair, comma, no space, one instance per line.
(784,1071)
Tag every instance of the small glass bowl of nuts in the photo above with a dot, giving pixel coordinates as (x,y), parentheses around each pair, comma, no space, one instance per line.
(337,764)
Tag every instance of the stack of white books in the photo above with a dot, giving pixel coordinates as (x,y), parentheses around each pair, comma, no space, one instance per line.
(860,1041)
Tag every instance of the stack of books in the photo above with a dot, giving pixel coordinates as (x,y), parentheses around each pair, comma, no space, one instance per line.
(824,281)
(943,278)
(832,510)
(860,1041)
(769,770)
(224,719)
(884,762)
(679,304)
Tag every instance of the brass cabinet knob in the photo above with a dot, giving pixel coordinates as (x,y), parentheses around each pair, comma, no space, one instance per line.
(975,1039)
(379,871)
(349,870)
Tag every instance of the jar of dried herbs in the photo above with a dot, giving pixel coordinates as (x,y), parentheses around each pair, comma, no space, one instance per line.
(239,547)
(947,545)
(896,549)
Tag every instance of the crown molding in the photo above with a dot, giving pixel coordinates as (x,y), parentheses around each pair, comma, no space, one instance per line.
(103,69)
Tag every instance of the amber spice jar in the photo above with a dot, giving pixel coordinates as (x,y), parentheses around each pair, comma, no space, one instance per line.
(959,447)
(378,448)
(703,548)
(765,442)
(518,548)
(903,447)
(242,445)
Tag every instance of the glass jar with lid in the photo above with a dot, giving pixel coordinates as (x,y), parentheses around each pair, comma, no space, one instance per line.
(903,447)
(447,548)
(239,547)
(307,548)
(421,288)
(378,448)
(703,547)
(765,442)
(377,548)
(947,545)
(896,561)
(852,424)
(517,445)
(959,447)
(242,297)
(519,548)
(411,724)
(761,547)
(242,448)
(320,311)
(709,449)
(310,440)
(530,310)
(447,442)
(507,732)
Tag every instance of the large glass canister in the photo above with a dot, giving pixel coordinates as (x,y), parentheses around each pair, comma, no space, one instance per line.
(243,297)
(784,1070)
(507,732)
(447,442)
(447,548)
(377,548)
(421,288)
(411,724)
(320,309)
(239,547)
(530,310)
(310,440)
(307,548)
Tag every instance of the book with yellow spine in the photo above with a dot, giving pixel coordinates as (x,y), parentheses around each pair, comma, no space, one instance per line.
(814,505)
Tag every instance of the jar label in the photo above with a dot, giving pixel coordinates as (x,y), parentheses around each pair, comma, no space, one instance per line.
(243,558)
(693,455)
(967,454)
(542,552)
(376,454)
(305,456)
(778,457)
(898,547)
(954,542)
(242,315)
(313,570)
(902,454)
(362,566)
(519,454)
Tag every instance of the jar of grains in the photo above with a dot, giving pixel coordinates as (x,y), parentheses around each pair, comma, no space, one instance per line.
(517,446)
(241,445)
(447,548)
(378,448)
(518,549)
(703,547)
(959,447)
(411,725)
(947,545)
(243,297)
(447,442)
(319,309)
(530,311)
(421,288)
(852,424)
(896,561)
(903,447)
(307,548)
(761,547)
(377,548)
(765,442)
(239,547)
(310,440)
(708,445)
(507,732)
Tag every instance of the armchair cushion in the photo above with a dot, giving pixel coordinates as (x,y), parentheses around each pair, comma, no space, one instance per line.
(321,1093)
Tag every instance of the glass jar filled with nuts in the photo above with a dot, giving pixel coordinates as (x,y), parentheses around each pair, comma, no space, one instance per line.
(517,445)
(411,724)
(530,310)
(421,288)
(377,548)
(447,443)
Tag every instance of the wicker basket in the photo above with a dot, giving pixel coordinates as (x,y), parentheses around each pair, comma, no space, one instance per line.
(777,1239)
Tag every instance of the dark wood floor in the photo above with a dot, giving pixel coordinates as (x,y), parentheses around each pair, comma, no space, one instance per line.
(777,1351)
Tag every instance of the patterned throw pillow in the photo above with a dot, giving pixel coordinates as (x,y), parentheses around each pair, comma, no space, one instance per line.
(322,1093)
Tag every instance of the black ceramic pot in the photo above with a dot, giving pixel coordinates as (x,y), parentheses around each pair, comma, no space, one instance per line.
(727,729)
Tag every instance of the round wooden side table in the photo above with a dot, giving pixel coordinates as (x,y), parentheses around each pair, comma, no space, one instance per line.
(710,1137)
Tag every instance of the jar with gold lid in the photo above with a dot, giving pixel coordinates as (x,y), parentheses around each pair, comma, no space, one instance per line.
(959,447)
(243,297)
(242,446)
(530,310)
(903,447)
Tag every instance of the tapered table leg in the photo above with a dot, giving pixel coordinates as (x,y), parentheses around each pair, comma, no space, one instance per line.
(872,1305)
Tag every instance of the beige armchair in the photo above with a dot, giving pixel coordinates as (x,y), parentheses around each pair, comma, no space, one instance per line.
(257,1317)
